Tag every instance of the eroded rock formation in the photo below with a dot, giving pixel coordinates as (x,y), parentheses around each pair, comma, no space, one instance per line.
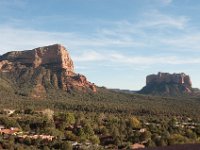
(180,78)
(167,84)
(43,68)
(50,57)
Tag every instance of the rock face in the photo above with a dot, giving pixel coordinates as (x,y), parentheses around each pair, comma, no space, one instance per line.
(43,68)
(50,57)
(169,78)
(167,84)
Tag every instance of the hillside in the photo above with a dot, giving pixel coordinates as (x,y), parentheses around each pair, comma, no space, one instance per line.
(48,99)
(103,101)
(33,72)
(47,74)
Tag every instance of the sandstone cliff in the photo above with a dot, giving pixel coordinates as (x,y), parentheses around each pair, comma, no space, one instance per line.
(50,57)
(42,68)
(169,78)
(167,84)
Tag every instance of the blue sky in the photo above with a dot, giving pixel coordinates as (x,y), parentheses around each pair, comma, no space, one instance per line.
(115,43)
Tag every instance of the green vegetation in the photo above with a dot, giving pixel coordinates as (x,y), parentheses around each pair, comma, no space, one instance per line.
(96,130)
(105,101)
(101,120)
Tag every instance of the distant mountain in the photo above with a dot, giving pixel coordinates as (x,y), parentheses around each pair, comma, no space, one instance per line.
(33,72)
(168,84)
(45,78)
(124,91)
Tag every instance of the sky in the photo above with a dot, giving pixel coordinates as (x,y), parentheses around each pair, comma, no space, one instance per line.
(114,43)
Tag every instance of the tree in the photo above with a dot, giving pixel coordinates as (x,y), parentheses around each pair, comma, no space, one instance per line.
(19,147)
(145,136)
(9,122)
(46,148)
(88,130)
(80,132)
(95,139)
(29,111)
(49,113)
(27,141)
(11,140)
(176,139)
(134,123)
(70,118)
(70,136)
(66,146)
(65,120)
(150,143)
(161,142)
(190,134)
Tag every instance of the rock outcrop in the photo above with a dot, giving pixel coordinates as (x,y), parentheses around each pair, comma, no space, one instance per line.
(169,78)
(50,57)
(167,84)
(43,68)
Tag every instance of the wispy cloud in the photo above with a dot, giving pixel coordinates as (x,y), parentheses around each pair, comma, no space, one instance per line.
(89,56)
(149,31)
(156,19)
(120,34)
(189,42)
(93,56)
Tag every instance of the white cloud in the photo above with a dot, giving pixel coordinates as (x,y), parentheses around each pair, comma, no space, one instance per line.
(156,19)
(19,39)
(120,34)
(89,56)
(119,58)
(189,42)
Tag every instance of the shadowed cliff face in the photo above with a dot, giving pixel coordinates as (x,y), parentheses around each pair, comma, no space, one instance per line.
(167,84)
(42,68)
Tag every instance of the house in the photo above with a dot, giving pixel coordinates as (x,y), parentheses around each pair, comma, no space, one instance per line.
(142,130)
(36,136)
(7,131)
(14,129)
(9,111)
(1,127)
(70,128)
(11,131)
(46,137)
(75,143)
(137,146)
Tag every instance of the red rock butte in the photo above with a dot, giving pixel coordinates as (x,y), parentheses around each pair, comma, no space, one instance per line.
(180,78)
(53,56)
(167,84)
(51,64)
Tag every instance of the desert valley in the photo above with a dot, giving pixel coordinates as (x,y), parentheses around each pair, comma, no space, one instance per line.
(46,105)
(99,75)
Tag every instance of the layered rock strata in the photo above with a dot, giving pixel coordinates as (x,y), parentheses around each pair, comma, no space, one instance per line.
(43,67)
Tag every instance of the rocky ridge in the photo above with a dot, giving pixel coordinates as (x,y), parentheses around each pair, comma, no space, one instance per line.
(43,68)
(167,84)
